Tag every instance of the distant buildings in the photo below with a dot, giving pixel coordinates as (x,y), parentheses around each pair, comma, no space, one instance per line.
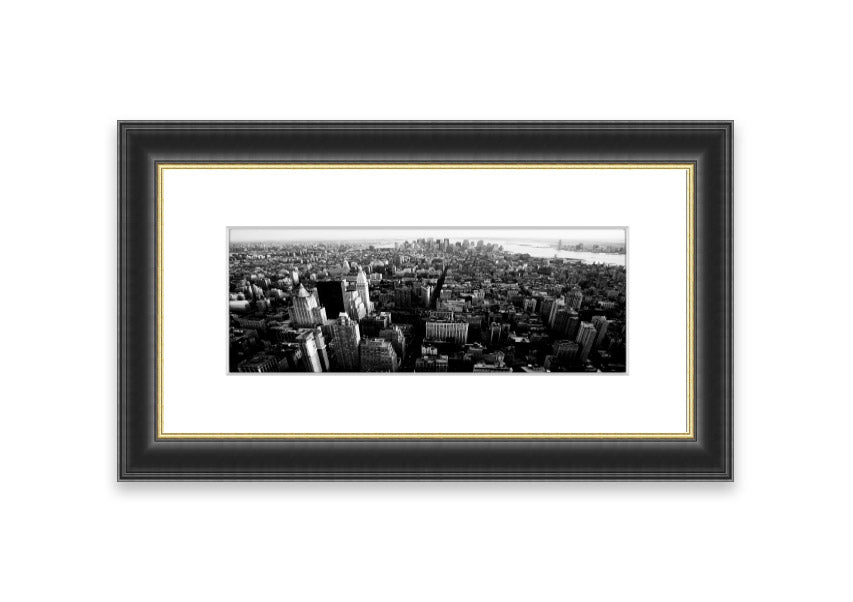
(425,305)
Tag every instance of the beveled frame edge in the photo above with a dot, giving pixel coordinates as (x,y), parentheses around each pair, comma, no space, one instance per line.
(125,472)
(690,418)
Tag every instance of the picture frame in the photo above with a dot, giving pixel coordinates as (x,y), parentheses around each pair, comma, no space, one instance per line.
(702,149)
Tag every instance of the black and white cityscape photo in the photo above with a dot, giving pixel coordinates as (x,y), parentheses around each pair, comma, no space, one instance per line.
(472,300)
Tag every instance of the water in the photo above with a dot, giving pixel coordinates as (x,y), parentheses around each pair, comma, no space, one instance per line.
(541,250)
(546,250)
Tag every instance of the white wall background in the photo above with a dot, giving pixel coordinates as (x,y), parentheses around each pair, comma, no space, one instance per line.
(69,70)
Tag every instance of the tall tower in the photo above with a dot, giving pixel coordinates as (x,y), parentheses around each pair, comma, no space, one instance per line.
(585,339)
(310,355)
(395,336)
(322,354)
(304,305)
(363,289)
(601,323)
(331,294)
(344,343)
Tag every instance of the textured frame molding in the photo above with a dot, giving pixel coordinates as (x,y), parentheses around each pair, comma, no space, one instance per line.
(145,145)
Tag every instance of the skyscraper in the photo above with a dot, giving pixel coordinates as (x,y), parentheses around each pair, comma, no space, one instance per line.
(574,299)
(303,312)
(425,292)
(331,294)
(363,289)
(585,339)
(344,344)
(310,354)
(495,333)
(378,355)
(561,320)
(566,353)
(548,310)
(371,325)
(394,335)
(355,305)
(322,354)
(601,323)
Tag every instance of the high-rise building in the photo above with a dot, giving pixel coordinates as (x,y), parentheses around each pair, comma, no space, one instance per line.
(394,335)
(561,320)
(585,339)
(498,333)
(548,310)
(378,355)
(331,294)
(305,311)
(322,354)
(355,305)
(425,292)
(344,344)
(363,289)
(574,299)
(447,331)
(403,297)
(573,325)
(310,353)
(371,325)
(601,323)
(494,333)
(566,353)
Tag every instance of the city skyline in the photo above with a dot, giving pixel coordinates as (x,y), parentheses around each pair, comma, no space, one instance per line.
(608,235)
(424,300)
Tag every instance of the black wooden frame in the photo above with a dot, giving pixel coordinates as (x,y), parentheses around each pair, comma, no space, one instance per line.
(142,145)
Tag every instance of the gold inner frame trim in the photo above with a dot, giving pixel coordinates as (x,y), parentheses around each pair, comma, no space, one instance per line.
(690,426)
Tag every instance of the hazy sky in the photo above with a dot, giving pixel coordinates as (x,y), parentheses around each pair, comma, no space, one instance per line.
(616,235)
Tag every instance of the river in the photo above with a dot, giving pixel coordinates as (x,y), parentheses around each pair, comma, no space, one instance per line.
(551,252)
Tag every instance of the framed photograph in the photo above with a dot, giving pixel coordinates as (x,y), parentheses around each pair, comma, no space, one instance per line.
(425,300)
